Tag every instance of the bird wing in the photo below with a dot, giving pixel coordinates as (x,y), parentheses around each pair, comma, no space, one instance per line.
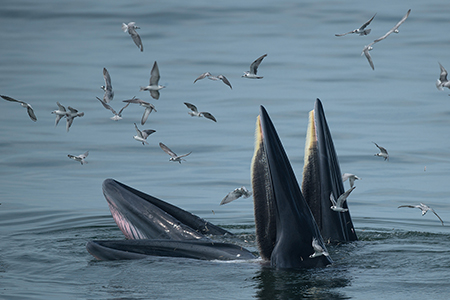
(254,66)
(191,106)
(382,149)
(369,58)
(11,99)
(208,116)
(342,34)
(107,78)
(231,196)
(139,133)
(225,80)
(410,206)
(137,39)
(154,74)
(393,28)
(31,113)
(333,201)
(367,23)
(184,155)
(342,198)
(61,108)
(202,76)
(442,76)
(69,123)
(121,110)
(147,132)
(72,110)
(154,94)
(84,155)
(167,150)
(147,112)
(437,216)
(106,105)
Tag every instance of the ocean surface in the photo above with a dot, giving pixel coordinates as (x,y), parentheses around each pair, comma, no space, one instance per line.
(52,206)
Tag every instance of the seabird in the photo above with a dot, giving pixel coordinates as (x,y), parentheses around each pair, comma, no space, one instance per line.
(351,178)
(148,108)
(24,104)
(60,113)
(117,116)
(254,68)
(109,93)
(154,86)
(218,77)
(72,114)
(361,30)
(383,152)
(393,29)
(194,112)
(424,208)
(237,193)
(337,205)
(80,157)
(173,156)
(442,82)
(365,51)
(131,29)
(142,135)
(318,250)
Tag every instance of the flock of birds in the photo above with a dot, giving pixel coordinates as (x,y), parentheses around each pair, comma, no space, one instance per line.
(154,87)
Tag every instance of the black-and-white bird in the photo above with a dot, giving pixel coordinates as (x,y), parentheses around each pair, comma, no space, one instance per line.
(72,114)
(383,152)
(215,78)
(424,208)
(109,93)
(24,104)
(142,136)
(173,155)
(361,30)
(318,249)
(393,29)
(60,113)
(148,108)
(117,115)
(338,205)
(351,178)
(195,113)
(442,82)
(80,157)
(254,68)
(131,29)
(154,86)
(235,194)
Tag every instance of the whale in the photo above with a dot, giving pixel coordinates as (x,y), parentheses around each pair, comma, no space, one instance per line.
(293,225)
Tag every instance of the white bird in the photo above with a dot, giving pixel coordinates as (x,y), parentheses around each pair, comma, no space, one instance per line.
(442,82)
(361,30)
(173,156)
(72,114)
(215,78)
(237,193)
(24,104)
(142,135)
(154,86)
(194,112)
(365,51)
(318,249)
(338,205)
(109,93)
(351,178)
(393,29)
(131,29)
(148,108)
(80,157)
(383,152)
(60,113)
(254,68)
(424,208)
(117,116)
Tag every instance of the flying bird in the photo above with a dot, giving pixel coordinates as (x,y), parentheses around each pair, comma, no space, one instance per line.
(383,152)
(318,249)
(109,93)
(148,108)
(154,86)
(442,82)
(173,156)
(194,112)
(24,104)
(338,205)
(393,29)
(237,193)
(60,113)
(117,116)
(365,51)
(72,114)
(215,78)
(351,178)
(142,135)
(254,68)
(424,208)
(80,157)
(361,30)
(131,29)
